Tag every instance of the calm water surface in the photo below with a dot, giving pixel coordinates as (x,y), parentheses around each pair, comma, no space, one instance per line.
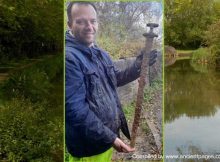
(192,109)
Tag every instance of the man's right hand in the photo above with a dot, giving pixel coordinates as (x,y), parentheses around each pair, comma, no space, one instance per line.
(120,146)
(153,57)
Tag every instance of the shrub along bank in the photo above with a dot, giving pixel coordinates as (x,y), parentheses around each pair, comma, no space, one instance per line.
(31,121)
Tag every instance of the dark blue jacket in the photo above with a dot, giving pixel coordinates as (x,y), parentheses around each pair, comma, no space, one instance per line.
(93,112)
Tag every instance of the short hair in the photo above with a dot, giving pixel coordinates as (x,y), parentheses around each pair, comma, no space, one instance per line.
(70,5)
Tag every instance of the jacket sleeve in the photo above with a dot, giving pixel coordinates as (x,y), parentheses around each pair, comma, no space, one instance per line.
(129,73)
(78,114)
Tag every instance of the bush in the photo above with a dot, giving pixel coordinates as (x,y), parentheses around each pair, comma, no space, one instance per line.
(53,66)
(117,49)
(24,131)
(212,37)
(31,129)
(30,83)
(34,82)
(203,56)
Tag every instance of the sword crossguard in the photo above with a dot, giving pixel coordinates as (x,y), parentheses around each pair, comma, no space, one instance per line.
(151,34)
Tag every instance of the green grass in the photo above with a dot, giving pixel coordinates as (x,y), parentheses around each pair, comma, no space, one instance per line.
(129,109)
(183,58)
(185,51)
(41,128)
(144,126)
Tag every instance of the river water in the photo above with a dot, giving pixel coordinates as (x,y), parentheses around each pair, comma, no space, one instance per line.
(192,110)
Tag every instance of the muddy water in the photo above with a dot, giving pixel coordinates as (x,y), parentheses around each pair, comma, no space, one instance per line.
(192,110)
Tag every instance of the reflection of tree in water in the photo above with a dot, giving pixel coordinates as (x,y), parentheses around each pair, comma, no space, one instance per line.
(190,92)
(193,150)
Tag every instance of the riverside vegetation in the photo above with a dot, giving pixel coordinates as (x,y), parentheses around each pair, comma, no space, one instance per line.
(31,113)
(194,25)
(31,81)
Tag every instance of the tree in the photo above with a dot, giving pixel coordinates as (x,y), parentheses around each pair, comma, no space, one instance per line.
(29,27)
(212,39)
(186,21)
(123,19)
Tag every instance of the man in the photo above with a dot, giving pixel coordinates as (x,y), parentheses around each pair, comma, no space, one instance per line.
(94,114)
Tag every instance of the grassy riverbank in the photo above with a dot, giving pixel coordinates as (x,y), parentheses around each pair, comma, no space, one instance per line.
(184,54)
(200,56)
(31,112)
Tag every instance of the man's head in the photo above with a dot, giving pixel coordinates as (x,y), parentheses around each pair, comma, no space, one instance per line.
(82,21)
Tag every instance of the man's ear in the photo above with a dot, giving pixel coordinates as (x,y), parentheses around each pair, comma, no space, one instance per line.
(69,25)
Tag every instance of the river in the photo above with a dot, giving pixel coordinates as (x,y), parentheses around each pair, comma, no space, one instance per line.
(192,110)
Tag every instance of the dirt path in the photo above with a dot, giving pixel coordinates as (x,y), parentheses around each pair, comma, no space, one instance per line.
(5,75)
(145,143)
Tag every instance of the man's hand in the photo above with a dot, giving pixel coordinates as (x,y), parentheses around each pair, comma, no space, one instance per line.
(153,56)
(122,147)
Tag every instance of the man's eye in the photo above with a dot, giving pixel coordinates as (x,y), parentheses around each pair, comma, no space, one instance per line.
(85,22)
(79,22)
(93,21)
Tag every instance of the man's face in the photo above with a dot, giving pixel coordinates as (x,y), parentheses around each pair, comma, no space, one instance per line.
(84,23)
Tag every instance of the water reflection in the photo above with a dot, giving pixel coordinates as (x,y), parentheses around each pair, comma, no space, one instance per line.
(190,92)
(201,132)
(194,154)
(192,109)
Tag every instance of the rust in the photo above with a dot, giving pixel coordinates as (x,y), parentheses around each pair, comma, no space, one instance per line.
(143,81)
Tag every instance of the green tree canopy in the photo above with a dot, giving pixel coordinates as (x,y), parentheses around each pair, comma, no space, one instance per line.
(186,21)
(30,27)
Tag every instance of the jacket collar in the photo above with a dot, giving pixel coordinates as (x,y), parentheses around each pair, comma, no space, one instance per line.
(73,42)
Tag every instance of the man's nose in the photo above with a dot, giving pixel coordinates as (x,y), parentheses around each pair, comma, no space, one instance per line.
(89,25)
